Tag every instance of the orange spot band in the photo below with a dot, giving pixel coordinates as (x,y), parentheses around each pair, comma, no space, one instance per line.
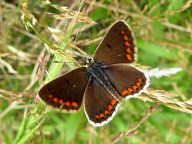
(110,107)
(97,117)
(55,99)
(130,90)
(113,102)
(67,103)
(50,96)
(135,88)
(125,38)
(129,57)
(127,44)
(74,104)
(61,101)
(102,115)
(122,32)
(106,112)
(128,50)
(138,84)
(124,92)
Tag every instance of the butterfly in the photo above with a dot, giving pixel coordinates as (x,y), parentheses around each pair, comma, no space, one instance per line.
(104,82)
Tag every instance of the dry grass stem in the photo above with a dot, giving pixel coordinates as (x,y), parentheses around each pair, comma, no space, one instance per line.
(133,130)
(186,6)
(88,41)
(13,96)
(167,99)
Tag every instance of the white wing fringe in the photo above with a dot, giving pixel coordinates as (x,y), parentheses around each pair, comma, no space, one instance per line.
(156,72)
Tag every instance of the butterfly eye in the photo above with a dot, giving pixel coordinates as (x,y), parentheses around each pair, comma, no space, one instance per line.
(88,60)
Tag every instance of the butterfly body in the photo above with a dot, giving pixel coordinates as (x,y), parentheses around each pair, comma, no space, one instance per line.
(96,71)
(105,81)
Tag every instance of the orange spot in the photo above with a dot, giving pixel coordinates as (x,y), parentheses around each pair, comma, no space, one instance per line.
(106,112)
(140,80)
(124,92)
(50,96)
(55,99)
(138,84)
(61,101)
(122,32)
(97,117)
(135,88)
(125,38)
(102,115)
(110,107)
(129,57)
(113,102)
(74,104)
(67,104)
(130,90)
(129,50)
(127,44)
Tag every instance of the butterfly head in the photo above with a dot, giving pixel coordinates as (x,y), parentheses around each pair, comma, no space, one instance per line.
(85,61)
(88,61)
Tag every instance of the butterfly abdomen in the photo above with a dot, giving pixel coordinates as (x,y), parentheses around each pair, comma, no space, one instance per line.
(96,71)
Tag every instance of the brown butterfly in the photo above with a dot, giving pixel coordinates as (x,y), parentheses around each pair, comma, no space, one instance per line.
(104,82)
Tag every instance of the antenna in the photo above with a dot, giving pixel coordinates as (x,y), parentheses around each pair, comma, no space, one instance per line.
(89,45)
(61,62)
(74,63)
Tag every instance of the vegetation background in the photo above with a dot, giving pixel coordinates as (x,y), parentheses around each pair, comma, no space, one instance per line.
(36,33)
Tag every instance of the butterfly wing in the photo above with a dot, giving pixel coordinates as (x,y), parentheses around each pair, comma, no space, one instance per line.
(66,92)
(118,45)
(100,106)
(127,80)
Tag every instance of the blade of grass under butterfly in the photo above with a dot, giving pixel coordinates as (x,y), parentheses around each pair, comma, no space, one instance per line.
(55,68)
(32,122)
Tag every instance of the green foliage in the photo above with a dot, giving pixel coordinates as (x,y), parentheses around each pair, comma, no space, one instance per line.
(98,14)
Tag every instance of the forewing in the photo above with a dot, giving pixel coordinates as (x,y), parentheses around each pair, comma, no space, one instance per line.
(100,106)
(128,81)
(117,46)
(66,92)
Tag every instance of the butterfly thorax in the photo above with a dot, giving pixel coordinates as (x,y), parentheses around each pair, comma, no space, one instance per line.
(96,71)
